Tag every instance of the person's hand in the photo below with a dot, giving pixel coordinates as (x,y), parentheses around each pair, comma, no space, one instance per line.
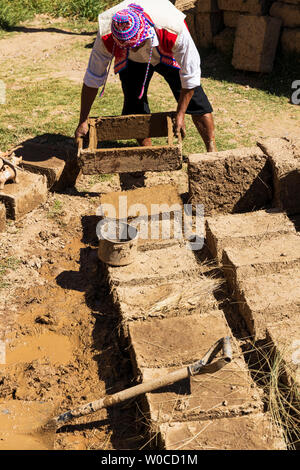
(179,127)
(81,131)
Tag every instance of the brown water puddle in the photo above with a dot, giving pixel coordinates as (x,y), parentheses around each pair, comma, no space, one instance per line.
(20,422)
(57,348)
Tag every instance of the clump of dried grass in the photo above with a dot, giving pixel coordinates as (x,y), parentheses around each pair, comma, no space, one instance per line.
(190,293)
(282,394)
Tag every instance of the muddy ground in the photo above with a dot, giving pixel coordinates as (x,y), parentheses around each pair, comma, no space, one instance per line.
(57,295)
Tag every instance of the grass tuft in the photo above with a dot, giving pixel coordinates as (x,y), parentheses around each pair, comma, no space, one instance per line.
(7,264)
(270,371)
(56,209)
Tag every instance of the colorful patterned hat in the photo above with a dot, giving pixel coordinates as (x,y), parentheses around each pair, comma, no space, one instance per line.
(130,27)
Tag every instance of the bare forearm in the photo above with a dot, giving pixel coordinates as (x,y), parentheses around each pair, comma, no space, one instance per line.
(88,96)
(184,100)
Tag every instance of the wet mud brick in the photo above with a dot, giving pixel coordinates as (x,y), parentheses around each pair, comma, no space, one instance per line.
(133,126)
(142,302)
(289,14)
(160,346)
(130,159)
(290,40)
(57,163)
(284,340)
(157,234)
(267,257)
(231,181)
(158,202)
(254,432)
(21,198)
(154,266)
(207,26)
(264,301)
(157,213)
(255,7)
(285,160)
(228,392)
(256,40)
(240,230)
(176,341)
(2,218)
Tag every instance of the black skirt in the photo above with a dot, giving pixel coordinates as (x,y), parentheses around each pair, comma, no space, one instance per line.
(132,79)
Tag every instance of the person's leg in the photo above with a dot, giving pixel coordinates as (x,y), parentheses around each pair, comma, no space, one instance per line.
(199,108)
(132,79)
(206,128)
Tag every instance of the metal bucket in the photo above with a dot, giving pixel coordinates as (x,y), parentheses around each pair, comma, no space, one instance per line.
(117,243)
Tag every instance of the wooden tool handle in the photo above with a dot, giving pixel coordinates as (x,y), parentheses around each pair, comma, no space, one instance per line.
(122,396)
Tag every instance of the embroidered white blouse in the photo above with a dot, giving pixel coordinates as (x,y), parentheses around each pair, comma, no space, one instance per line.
(184,52)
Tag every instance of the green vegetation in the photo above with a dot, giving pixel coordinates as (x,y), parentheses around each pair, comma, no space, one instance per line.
(13,12)
(99,179)
(56,209)
(7,264)
(43,99)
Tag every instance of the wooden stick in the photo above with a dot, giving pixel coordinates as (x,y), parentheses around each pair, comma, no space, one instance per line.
(170,131)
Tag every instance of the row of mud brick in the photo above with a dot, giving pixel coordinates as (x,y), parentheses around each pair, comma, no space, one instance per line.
(259,253)
(248,29)
(169,318)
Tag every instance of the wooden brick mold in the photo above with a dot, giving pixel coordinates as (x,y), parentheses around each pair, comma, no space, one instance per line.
(94,160)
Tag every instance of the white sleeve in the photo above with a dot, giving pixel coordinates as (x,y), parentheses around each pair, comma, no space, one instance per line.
(98,64)
(187,56)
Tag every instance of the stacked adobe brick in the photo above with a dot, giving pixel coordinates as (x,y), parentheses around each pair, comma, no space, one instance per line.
(250,30)
(169,317)
(258,250)
(289,12)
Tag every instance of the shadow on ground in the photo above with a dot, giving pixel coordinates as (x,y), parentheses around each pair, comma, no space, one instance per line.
(30,29)
(39,150)
(286,69)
